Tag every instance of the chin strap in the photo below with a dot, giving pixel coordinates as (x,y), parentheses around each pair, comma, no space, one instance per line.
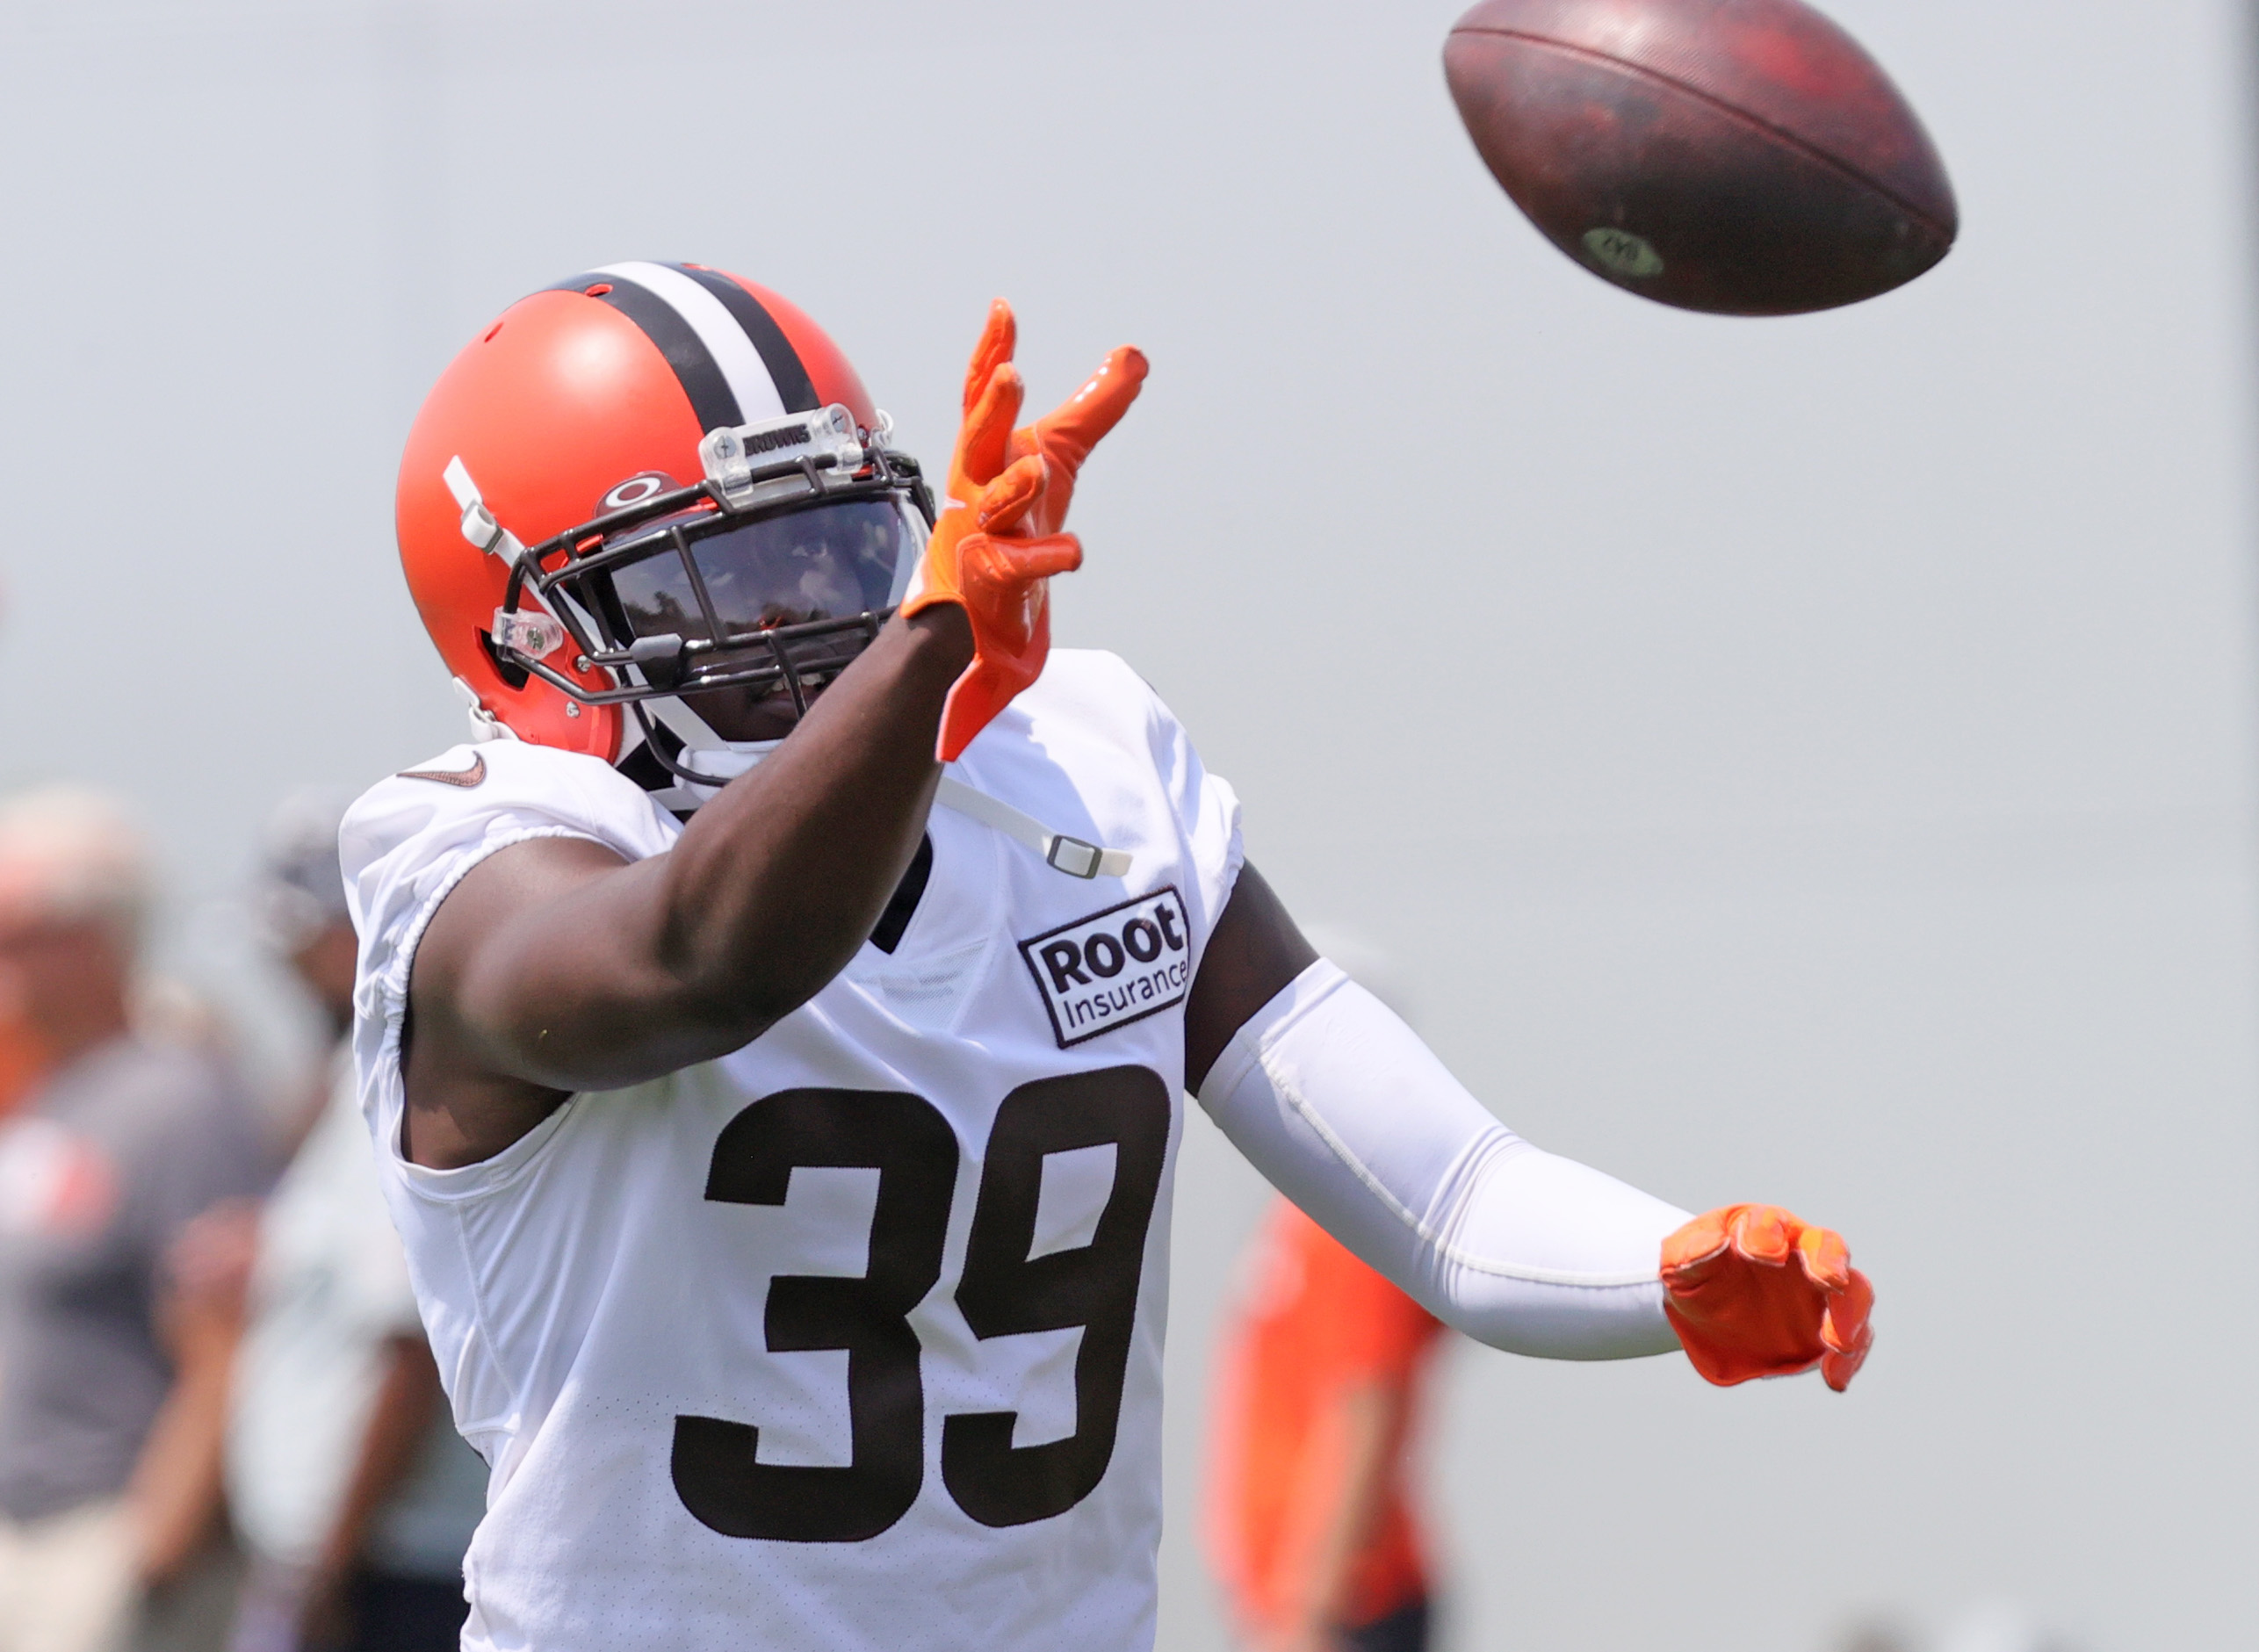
(1071,855)
(478,525)
(485,725)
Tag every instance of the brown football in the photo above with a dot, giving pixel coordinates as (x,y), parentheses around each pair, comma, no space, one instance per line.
(1743,157)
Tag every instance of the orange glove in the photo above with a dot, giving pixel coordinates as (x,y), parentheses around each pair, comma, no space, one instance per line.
(1753,1292)
(999,542)
(1064,437)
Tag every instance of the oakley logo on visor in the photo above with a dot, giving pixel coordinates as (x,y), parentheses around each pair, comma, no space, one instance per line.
(635,490)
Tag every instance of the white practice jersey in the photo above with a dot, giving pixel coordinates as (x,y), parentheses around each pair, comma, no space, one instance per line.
(851,1339)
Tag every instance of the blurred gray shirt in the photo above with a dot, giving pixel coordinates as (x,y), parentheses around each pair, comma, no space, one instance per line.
(330,1294)
(99,1173)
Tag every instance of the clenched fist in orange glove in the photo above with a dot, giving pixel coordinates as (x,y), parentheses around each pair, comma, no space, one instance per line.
(1753,1292)
(1000,540)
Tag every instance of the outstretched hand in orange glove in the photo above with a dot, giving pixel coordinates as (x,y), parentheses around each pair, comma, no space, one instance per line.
(1000,540)
(1754,1292)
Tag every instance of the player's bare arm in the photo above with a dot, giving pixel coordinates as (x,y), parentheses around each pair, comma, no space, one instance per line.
(555,966)
(1254,956)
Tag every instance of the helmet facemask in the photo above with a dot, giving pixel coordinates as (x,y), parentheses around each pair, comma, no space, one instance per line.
(719,609)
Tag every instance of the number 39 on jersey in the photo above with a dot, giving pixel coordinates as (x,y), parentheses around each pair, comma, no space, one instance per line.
(1005,1289)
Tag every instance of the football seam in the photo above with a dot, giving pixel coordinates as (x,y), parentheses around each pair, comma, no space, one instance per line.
(1802,147)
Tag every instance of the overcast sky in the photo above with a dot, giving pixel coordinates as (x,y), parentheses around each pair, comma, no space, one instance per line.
(1806,761)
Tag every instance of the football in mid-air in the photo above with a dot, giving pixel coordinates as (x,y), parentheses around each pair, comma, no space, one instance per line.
(1741,156)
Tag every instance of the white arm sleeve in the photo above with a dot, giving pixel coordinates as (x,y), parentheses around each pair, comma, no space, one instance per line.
(1349,1114)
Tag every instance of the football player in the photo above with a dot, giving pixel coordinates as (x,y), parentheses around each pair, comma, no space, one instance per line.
(775,1023)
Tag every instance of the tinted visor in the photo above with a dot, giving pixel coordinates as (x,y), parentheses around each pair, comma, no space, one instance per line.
(828,562)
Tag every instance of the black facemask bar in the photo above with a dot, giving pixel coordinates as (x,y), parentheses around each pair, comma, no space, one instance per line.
(571,573)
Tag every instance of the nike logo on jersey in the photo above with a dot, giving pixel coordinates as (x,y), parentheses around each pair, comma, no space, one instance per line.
(1114,967)
(465,778)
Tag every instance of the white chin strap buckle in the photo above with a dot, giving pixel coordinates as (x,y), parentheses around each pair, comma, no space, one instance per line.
(1061,852)
(485,725)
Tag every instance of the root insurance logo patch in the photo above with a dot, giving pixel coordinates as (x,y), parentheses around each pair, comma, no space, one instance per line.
(1114,967)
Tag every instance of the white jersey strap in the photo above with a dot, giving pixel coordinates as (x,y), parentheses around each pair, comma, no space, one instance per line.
(1071,855)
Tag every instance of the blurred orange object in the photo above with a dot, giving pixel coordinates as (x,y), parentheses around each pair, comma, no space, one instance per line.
(1754,1292)
(24,1057)
(999,541)
(1319,1330)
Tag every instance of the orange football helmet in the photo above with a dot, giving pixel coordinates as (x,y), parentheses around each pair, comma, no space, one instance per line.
(649,482)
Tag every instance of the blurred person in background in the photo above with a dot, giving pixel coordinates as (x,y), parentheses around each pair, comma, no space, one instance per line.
(1311,1522)
(1312,1527)
(349,1486)
(112,1378)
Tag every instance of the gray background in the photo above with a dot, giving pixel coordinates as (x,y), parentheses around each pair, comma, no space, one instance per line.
(1803,759)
